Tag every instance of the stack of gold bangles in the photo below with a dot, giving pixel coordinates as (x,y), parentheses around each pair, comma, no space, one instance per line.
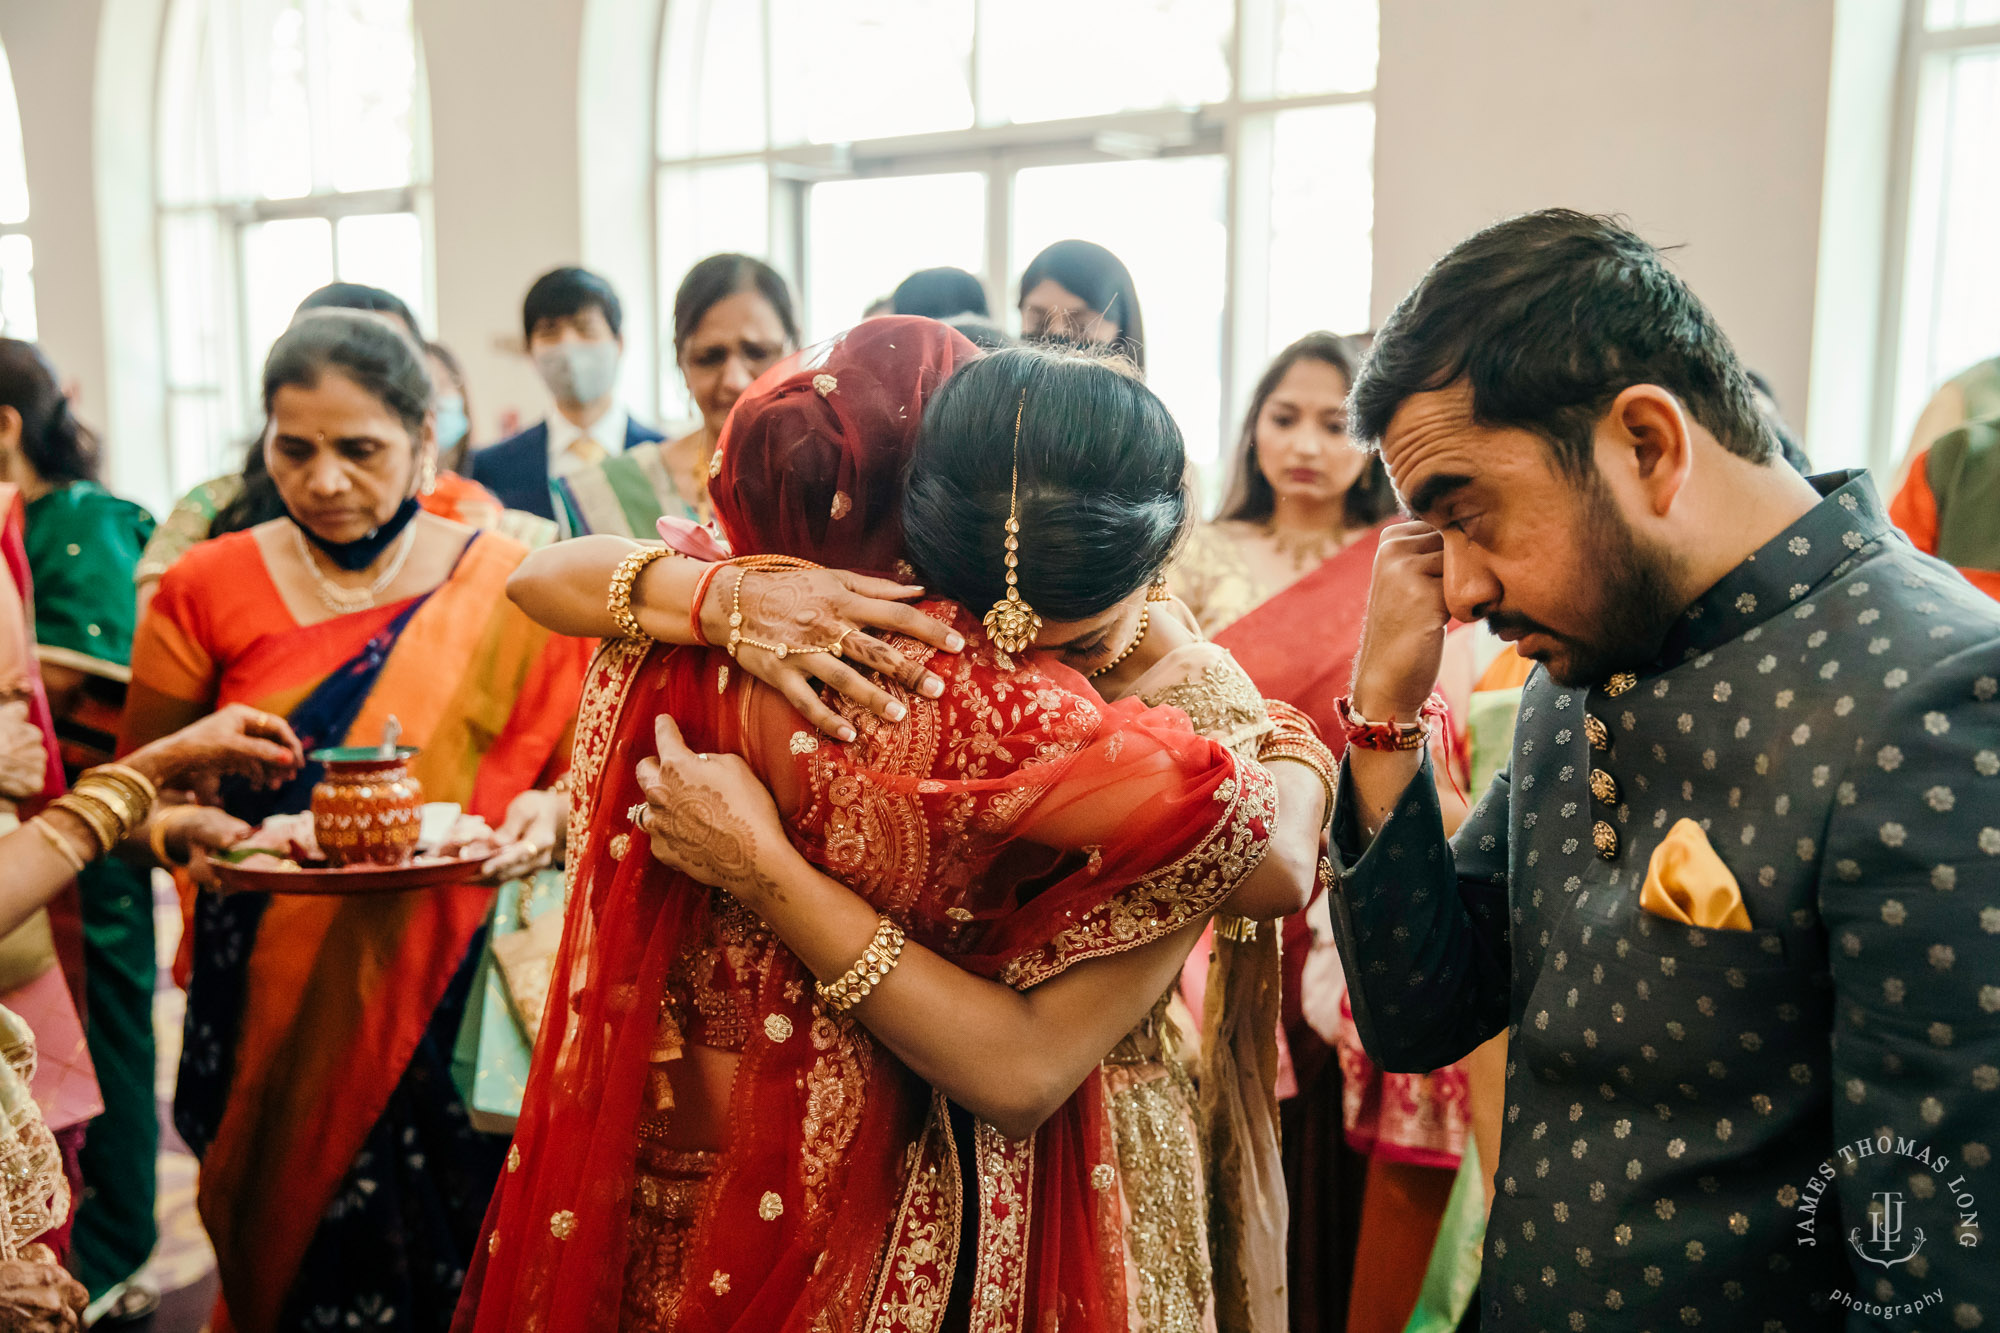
(1295,739)
(110,801)
(622,579)
(855,984)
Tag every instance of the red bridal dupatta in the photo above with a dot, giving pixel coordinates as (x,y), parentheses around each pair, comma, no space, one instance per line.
(1018,825)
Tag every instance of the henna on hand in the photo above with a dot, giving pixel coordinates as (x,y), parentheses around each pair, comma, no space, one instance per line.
(799,607)
(691,829)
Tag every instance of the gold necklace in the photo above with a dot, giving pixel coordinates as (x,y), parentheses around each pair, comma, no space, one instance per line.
(1305,549)
(338,597)
(1145,623)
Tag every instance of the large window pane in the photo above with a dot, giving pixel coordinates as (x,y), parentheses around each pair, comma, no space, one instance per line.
(385,250)
(17,287)
(869,69)
(205,441)
(1055,59)
(1952,269)
(370,57)
(705,211)
(1322,221)
(1167,220)
(190,129)
(282,262)
(868,235)
(1325,46)
(13,160)
(281,138)
(1966,323)
(196,280)
(711,77)
(1961,13)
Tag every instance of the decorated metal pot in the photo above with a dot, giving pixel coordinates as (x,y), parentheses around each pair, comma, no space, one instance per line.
(367,809)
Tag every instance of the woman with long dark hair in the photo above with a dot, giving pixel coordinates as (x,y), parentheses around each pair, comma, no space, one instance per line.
(1020,866)
(1281,579)
(1078,292)
(732,321)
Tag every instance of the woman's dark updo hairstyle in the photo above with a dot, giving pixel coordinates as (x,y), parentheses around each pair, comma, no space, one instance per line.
(1103,496)
(58,446)
(719,277)
(387,365)
(1102,280)
(258,502)
(1251,499)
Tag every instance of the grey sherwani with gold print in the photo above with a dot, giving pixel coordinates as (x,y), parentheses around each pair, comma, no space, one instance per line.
(1685,1108)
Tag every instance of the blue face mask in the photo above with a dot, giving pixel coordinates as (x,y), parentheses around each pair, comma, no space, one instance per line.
(452,424)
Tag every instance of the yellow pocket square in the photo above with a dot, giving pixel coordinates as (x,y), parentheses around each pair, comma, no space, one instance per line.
(1687,882)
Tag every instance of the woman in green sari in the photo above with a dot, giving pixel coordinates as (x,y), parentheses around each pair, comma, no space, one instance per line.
(733,320)
(82,545)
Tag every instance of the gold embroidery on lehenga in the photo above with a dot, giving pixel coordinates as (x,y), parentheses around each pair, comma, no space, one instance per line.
(1222,703)
(1153,1117)
(835,1090)
(604,688)
(1172,895)
(913,1280)
(1003,1168)
(670,1188)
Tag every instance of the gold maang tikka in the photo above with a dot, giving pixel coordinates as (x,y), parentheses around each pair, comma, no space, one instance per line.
(1012,623)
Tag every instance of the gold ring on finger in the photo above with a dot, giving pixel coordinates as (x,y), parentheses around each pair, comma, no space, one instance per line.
(637,814)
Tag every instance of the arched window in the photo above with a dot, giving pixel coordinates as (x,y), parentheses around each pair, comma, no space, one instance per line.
(294,150)
(17,252)
(1222,148)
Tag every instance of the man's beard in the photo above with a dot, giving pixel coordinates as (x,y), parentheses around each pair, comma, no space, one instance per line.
(1636,604)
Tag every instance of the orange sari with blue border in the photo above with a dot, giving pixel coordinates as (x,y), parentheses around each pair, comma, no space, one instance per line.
(321,1015)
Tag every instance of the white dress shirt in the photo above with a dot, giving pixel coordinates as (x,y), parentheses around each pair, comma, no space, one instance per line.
(608,430)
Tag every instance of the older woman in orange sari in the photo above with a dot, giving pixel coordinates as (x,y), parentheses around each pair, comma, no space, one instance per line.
(738,1126)
(339,1174)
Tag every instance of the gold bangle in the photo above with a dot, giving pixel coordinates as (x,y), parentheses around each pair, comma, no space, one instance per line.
(163,824)
(123,803)
(141,785)
(1287,754)
(622,579)
(884,950)
(94,815)
(63,847)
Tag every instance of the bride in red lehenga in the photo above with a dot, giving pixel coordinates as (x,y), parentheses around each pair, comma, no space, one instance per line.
(714,1139)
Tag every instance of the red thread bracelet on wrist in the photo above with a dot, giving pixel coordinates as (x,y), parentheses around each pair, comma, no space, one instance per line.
(1391,735)
(700,593)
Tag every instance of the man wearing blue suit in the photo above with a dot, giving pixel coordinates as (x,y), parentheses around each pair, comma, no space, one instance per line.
(572,320)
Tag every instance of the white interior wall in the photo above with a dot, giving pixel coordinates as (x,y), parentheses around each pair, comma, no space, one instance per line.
(504,80)
(1703,122)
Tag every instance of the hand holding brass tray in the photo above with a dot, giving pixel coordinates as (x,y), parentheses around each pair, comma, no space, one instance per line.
(284,856)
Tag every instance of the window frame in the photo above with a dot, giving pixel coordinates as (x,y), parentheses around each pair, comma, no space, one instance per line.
(234,217)
(1238,130)
(1924,64)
